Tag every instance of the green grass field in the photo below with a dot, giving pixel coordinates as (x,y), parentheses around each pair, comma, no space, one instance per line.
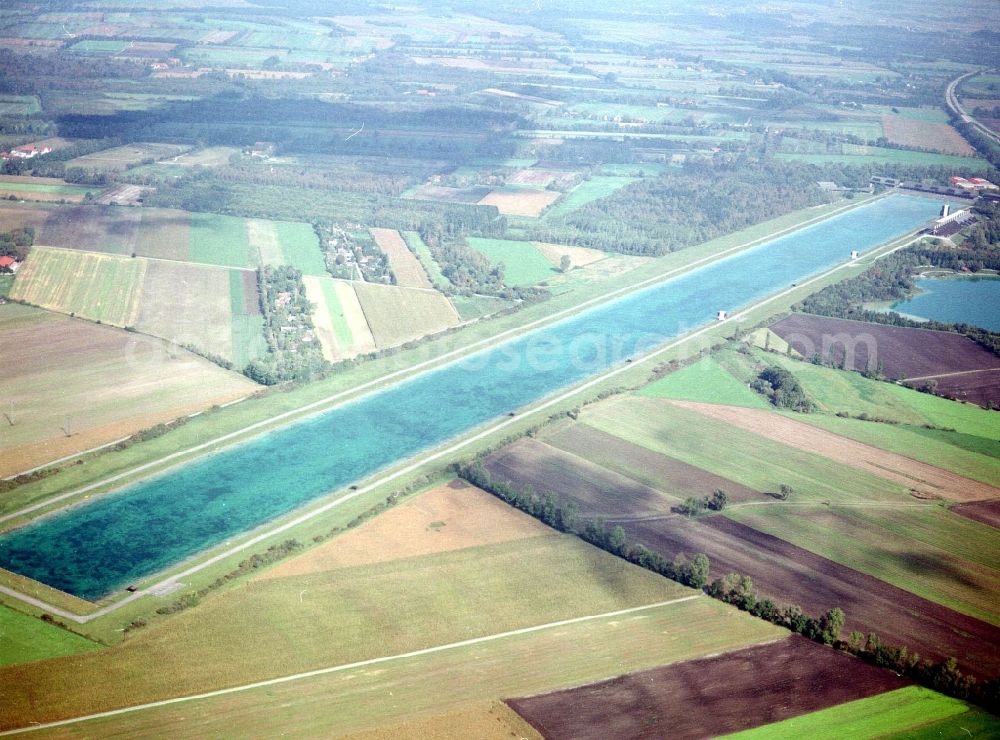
(19,105)
(523,263)
(300,247)
(220,240)
(28,187)
(427,261)
(6,283)
(587,192)
(972,725)
(931,552)
(341,329)
(895,711)
(705,381)
(247,328)
(475,306)
(299,623)
(100,287)
(756,462)
(24,639)
(99,46)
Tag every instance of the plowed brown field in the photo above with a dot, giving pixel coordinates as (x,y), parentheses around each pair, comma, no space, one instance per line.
(711,696)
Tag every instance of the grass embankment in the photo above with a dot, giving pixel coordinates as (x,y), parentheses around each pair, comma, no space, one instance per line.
(24,639)
(911,709)
(516,665)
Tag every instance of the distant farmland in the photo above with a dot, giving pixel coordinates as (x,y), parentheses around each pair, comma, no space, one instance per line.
(397,315)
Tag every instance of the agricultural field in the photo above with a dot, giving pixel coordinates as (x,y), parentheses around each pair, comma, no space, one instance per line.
(450,516)
(339,319)
(25,639)
(902,352)
(398,315)
(938,137)
(403,263)
(597,187)
(524,264)
(985,512)
(912,711)
(709,697)
(92,228)
(19,105)
(427,261)
(520,201)
(345,615)
(213,156)
(57,392)
(44,189)
(188,305)
(281,243)
(120,157)
(705,380)
(928,551)
(578,256)
(101,287)
(864,155)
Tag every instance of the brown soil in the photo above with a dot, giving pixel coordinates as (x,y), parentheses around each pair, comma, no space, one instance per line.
(494,721)
(521,203)
(596,490)
(981,387)
(405,266)
(251,296)
(662,472)
(711,696)
(938,137)
(903,352)
(926,480)
(790,575)
(450,517)
(985,512)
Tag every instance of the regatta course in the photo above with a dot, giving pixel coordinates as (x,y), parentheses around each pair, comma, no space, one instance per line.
(93,549)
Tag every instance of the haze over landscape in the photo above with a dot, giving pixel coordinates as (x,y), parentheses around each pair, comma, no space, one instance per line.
(534,369)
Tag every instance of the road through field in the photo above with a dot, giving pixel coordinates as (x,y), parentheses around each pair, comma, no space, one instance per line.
(354,666)
(356,439)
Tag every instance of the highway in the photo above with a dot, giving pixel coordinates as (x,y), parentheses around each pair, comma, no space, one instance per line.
(953,103)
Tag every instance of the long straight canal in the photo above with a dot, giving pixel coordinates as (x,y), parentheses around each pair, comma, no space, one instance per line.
(94,548)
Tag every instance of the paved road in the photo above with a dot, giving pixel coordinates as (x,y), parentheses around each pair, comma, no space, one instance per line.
(952,101)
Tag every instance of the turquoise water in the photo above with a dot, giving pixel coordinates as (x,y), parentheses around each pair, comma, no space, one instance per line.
(966,300)
(95,548)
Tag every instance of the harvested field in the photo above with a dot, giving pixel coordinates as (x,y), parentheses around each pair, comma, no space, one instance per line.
(17,217)
(483,721)
(938,137)
(448,517)
(792,575)
(340,323)
(521,202)
(164,234)
(925,480)
(94,228)
(710,696)
(397,315)
(404,265)
(902,352)
(984,512)
(57,379)
(120,157)
(578,256)
(664,473)
(213,156)
(597,491)
(101,287)
(188,304)
(43,189)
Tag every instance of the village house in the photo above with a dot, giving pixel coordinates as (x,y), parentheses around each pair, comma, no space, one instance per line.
(9,264)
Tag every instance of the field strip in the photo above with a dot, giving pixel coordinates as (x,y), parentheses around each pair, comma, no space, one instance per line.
(419,460)
(952,375)
(355,665)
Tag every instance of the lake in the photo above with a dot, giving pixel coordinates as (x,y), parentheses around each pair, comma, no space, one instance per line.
(95,548)
(956,300)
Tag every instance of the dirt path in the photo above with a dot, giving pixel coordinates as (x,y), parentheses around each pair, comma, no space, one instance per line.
(926,480)
(951,375)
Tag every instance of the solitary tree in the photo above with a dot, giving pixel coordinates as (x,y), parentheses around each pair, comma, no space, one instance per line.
(565,263)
